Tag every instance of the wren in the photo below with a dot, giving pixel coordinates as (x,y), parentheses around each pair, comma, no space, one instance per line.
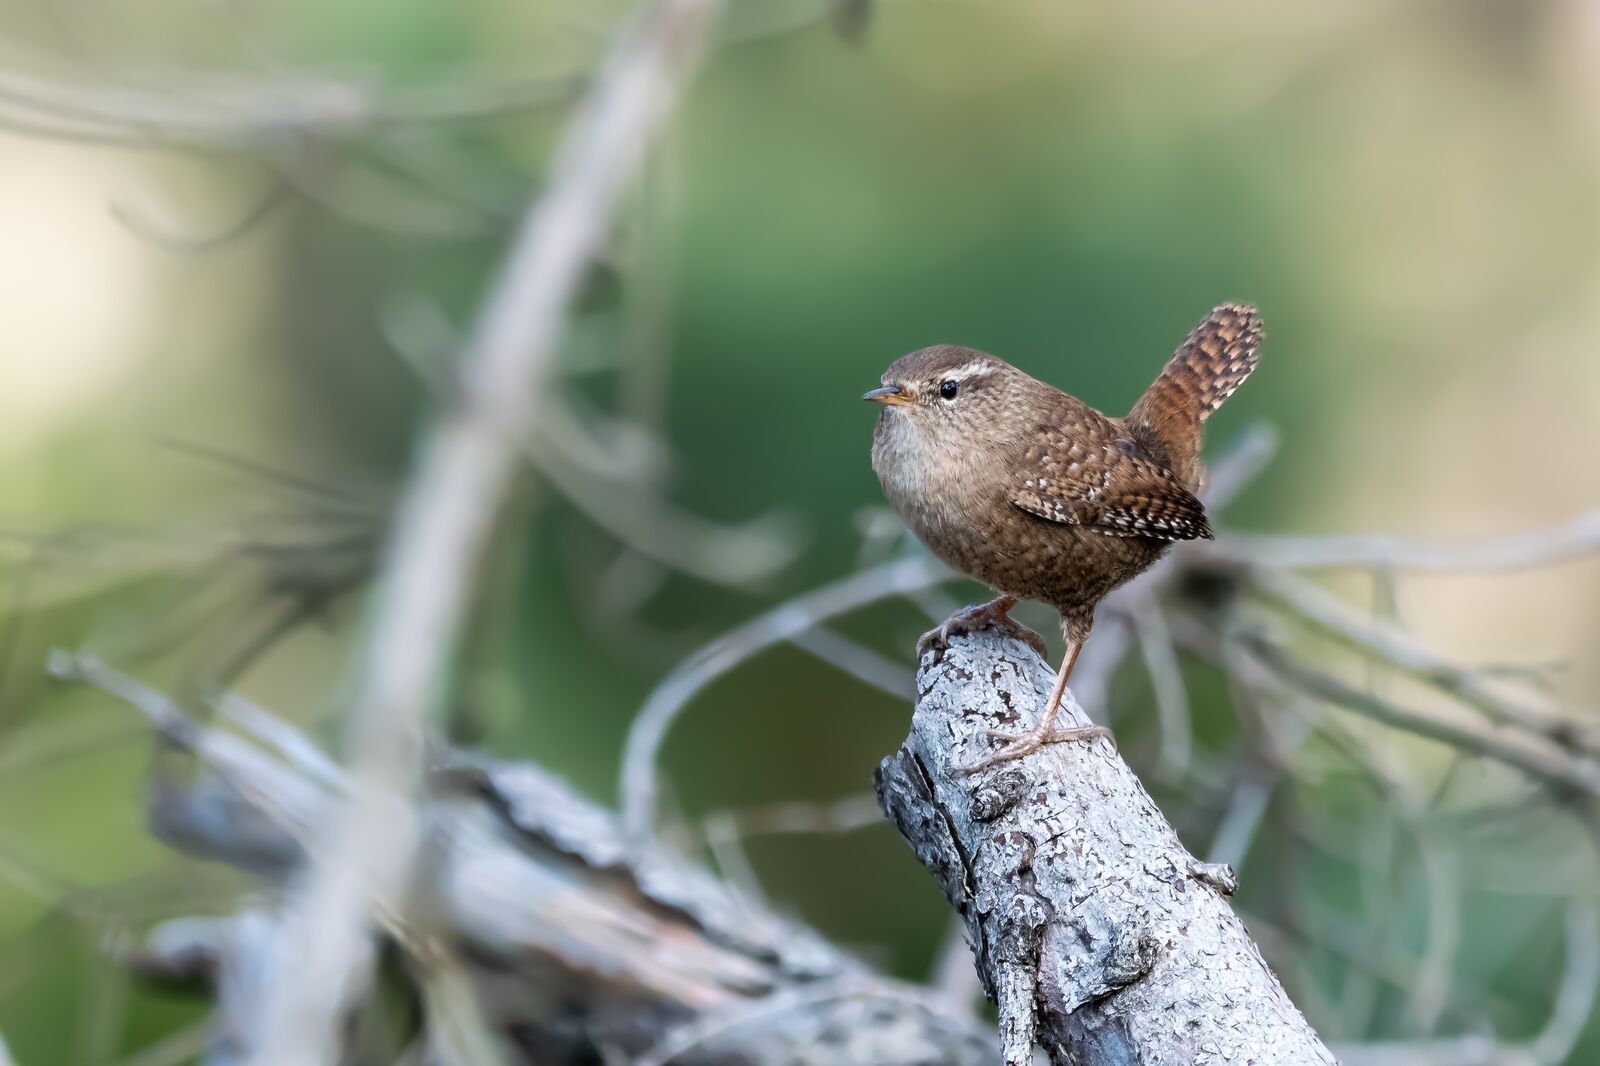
(1040,496)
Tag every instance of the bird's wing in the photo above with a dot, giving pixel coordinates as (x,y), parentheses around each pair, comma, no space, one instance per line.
(1107,483)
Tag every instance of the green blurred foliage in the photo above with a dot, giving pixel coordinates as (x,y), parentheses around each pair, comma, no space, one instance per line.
(1403,189)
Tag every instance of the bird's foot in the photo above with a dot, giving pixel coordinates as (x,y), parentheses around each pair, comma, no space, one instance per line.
(1027,743)
(994,614)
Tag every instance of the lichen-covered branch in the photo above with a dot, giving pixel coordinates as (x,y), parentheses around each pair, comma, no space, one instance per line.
(1094,929)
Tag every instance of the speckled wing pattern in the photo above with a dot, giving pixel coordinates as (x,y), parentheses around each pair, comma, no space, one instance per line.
(1216,358)
(1106,483)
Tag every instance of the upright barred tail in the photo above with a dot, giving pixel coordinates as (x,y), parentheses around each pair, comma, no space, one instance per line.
(1218,355)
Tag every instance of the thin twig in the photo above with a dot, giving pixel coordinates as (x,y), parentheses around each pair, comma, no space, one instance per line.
(289,800)
(725,832)
(277,195)
(440,531)
(613,478)
(208,114)
(1549,546)
(841,816)
(783,623)
(1393,645)
(649,524)
(859,661)
(1442,875)
(242,115)
(1551,1046)
(276,734)
(1574,1001)
(1248,800)
(1534,755)
(1172,699)
(457,1031)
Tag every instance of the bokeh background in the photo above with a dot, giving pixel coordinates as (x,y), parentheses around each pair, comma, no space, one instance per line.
(201,410)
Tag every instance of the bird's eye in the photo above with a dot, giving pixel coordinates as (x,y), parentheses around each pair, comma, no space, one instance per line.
(948,389)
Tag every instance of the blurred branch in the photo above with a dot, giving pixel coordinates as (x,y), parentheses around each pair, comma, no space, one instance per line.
(1534,755)
(1171,697)
(1538,547)
(140,224)
(724,832)
(441,526)
(640,518)
(573,946)
(1551,1046)
(455,1031)
(783,623)
(1390,644)
(213,116)
(842,816)
(857,660)
(611,471)
(1442,874)
(285,806)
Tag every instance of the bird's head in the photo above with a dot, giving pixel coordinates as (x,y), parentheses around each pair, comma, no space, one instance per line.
(948,396)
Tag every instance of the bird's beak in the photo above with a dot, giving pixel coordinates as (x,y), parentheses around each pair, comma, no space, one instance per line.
(889,394)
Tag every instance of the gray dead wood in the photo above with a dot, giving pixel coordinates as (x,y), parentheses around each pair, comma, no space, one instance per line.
(572,945)
(1097,933)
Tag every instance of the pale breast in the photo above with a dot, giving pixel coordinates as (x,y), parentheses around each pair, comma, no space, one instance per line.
(948,504)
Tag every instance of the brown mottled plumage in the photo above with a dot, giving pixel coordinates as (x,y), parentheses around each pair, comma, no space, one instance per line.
(1040,496)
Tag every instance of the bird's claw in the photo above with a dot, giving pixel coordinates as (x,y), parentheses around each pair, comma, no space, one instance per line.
(996,614)
(1022,744)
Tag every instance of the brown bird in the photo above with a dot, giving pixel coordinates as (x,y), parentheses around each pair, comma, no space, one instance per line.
(1042,497)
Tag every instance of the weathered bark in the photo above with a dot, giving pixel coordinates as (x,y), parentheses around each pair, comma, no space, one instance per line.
(1096,932)
(574,949)
(571,945)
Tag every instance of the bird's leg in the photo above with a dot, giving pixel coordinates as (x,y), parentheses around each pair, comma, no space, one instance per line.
(996,613)
(1045,730)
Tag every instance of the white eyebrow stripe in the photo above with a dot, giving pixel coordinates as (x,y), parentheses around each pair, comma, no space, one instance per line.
(962,373)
